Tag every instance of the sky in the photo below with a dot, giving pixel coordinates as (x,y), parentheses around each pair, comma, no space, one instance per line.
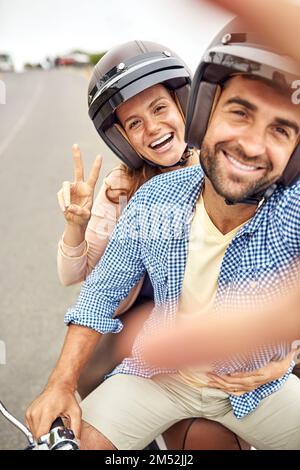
(30,30)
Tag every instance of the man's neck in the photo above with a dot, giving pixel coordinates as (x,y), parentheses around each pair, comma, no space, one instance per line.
(223,216)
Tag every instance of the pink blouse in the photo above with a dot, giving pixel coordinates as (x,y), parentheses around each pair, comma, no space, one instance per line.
(74,264)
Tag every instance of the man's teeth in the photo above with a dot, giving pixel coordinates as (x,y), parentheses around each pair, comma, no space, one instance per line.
(161,140)
(239,165)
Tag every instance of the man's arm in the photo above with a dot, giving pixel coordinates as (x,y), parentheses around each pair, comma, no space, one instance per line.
(213,337)
(118,271)
(58,397)
(277,20)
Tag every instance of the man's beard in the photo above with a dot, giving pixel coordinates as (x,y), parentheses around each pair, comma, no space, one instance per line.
(212,167)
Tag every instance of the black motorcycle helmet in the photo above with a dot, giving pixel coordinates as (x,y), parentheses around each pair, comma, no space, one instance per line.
(235,51)
(122,73)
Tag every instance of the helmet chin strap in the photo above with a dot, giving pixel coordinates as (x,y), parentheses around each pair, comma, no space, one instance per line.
(188,152)
(256,199)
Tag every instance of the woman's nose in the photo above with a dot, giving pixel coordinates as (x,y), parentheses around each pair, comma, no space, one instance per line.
(152,125)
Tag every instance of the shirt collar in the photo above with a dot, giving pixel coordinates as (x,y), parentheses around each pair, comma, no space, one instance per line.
(196,184)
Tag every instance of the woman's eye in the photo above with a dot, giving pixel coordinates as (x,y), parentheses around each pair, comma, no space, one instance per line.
(133,124)
(159,108)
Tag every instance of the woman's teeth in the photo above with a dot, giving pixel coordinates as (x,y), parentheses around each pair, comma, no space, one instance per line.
(162,141)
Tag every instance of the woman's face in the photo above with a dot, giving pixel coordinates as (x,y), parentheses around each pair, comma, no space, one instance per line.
(154,125)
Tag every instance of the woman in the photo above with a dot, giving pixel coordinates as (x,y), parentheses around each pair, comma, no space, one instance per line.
(142,121)
(137,100)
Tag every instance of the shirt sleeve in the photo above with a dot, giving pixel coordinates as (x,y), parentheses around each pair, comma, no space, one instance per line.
(118,271)
(74,264)
(290,221)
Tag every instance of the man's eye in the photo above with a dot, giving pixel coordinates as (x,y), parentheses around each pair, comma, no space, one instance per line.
(282,131)
(239,112)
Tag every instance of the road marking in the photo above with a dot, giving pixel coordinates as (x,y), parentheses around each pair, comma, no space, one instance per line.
(2,91)
(2,353)
(22,121)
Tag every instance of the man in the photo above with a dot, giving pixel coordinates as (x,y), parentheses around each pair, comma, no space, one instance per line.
(239,248)
(278,23)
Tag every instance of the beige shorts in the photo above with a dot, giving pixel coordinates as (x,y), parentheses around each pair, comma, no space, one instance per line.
(131,411)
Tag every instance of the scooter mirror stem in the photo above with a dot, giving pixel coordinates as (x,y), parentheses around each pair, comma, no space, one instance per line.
(17,423)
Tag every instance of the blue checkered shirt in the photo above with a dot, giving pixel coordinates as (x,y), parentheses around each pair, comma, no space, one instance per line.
(153,235)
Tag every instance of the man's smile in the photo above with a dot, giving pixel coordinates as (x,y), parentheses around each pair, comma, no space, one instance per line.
(239,166)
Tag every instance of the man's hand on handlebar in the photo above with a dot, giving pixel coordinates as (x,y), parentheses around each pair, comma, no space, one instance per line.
(56,400)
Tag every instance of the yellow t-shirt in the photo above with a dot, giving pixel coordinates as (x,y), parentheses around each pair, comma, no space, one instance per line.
(207,247)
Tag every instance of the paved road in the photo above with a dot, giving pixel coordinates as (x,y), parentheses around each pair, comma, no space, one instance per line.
(44,114)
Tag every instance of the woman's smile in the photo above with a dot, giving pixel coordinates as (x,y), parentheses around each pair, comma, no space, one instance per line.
(163,144)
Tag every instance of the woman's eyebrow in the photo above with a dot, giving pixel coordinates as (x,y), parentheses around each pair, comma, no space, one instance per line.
(150,106)
(155,101)
(129,118)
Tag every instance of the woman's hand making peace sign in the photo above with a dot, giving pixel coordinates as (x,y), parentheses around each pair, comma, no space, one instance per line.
(76,198)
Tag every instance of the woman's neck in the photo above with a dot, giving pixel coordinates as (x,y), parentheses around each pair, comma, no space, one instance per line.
(192,160)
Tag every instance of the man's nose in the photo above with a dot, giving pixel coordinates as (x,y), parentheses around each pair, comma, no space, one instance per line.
(253,142)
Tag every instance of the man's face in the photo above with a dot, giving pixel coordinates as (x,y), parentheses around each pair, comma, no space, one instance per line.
(251,136)
(154,125)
